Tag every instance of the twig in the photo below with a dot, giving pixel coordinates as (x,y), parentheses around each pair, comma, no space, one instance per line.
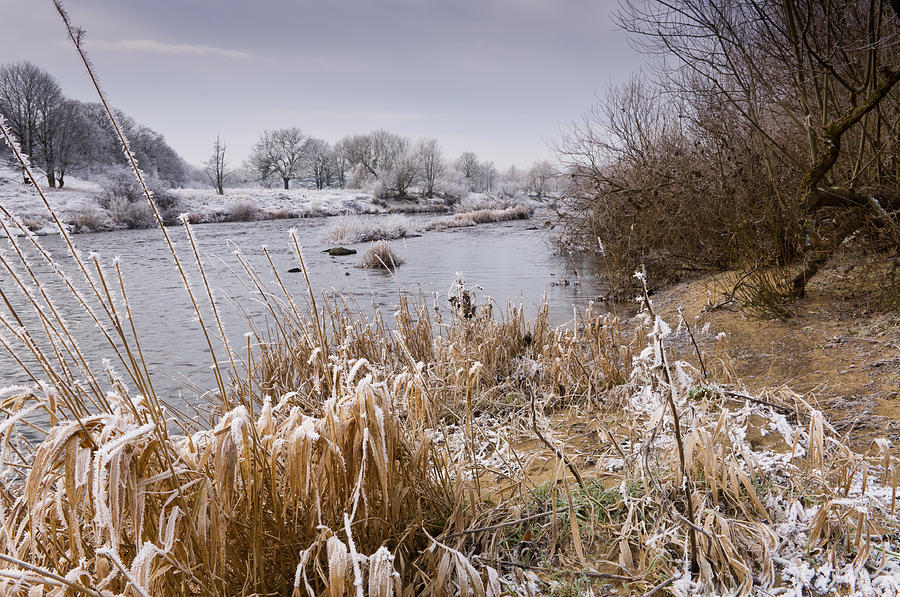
(781,409)
(729,297)
(508,523)
(659,587)
(589,573)
(48,574)
(694,341)
(559,453)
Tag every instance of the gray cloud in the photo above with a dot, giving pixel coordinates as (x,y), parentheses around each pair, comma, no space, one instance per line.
(158,47)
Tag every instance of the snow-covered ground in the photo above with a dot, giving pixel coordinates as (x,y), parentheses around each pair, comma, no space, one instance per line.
(207,206)
(22,200)
(79,207)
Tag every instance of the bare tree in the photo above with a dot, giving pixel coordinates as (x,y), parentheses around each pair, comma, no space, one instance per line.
(375,153)
(467,165)
(340,164)
(770,127)
(397,181)
(486,176)
(431,163)
(217,166)
(814,80)
(29,98)
(64,143)
(280,152)
(540,177)
(320,161)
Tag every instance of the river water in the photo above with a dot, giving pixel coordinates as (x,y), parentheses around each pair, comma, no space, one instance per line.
(509,261)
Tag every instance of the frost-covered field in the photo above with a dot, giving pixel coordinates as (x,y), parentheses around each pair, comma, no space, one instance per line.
(23,201)
(85,206)
(207,206)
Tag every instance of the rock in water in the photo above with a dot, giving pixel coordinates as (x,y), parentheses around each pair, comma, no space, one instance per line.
(340,251)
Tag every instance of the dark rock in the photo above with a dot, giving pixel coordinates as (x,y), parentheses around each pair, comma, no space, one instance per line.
(340,251)
(294,270)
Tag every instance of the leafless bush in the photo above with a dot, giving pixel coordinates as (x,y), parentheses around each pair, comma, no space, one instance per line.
(282,214)
(89,219)
(124,198)
(754,146)
(243,211)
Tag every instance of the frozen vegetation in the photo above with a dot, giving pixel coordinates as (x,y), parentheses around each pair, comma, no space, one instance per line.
(381,255)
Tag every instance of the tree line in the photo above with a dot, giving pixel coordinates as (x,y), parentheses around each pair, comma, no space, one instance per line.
(61,135)
(388,162)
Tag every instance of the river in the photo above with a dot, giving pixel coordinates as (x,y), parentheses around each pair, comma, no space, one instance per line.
(508,261)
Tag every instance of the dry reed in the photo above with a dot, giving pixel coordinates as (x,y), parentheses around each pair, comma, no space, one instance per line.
(354,455)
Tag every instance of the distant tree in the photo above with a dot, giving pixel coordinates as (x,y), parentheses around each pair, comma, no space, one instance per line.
(217,166)
(63,141)
(387,150)
(340,164)
(23,87)
(397,181)
(154,155)
(374,154)
(280,152)
(29,98)
(511,181)
(319,162)
(486,177)
(431,164)
(467,165)
(540,177)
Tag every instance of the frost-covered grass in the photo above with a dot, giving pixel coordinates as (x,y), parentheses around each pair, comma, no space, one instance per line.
(90,206)
(75,201)
(428,442)
(481,216)
(381,255)
(355,229)
(207,206)
(484,201)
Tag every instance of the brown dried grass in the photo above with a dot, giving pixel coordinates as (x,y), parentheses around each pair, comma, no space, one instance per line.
(329,468)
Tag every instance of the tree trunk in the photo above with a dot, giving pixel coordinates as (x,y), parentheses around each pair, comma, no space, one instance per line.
(822,252)
(286,183)
(51,179)
(61,180)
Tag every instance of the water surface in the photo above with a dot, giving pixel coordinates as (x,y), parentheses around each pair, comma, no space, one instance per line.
(510,261)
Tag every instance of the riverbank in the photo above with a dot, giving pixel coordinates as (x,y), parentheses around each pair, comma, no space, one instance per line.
(80,206)
(464,450)
(841,349)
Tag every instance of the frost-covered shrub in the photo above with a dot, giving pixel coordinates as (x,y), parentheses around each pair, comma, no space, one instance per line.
(89,219)
(243,211)
(482,201)
(357,229)
(121,195)
(380,256)
(282,214)
(130,214)
(481,216)
(452,191)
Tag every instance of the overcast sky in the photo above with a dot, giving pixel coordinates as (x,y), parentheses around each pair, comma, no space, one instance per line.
(498,77)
